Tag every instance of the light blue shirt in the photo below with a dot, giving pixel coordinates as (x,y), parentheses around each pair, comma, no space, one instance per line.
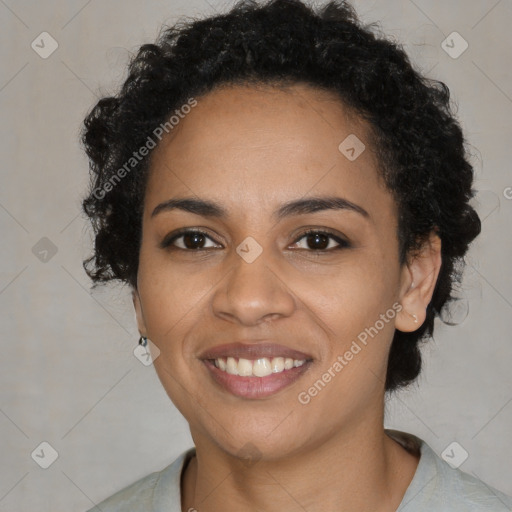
(435,487)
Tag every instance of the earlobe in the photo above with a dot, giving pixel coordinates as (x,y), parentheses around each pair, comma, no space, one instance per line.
(141,325)
(419,279)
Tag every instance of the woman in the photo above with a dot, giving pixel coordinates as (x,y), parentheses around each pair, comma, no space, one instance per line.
(288,200)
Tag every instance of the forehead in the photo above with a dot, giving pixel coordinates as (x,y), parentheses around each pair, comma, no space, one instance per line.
(264,145)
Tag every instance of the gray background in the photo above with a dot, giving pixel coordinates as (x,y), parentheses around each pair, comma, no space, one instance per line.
(68,374)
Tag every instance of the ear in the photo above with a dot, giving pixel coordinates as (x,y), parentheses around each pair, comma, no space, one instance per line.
(418,281)
(139,315)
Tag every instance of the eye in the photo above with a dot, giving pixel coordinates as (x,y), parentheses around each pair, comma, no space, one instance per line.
(191,240)
(320,240)
(195,240)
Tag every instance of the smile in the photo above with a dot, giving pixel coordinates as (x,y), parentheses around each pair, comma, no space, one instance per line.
(256,368)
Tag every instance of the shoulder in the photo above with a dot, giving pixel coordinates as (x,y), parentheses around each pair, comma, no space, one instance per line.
(457,488)
(149,492)
(437,486)
(137,496)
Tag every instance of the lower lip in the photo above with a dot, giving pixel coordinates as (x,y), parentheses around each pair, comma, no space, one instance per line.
(256,387)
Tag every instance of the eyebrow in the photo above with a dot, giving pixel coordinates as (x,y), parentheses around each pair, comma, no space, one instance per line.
(207,208)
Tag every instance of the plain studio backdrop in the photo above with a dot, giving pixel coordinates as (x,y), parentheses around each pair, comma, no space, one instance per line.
(68,374)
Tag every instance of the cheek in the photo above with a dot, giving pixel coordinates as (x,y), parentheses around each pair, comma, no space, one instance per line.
(169,289)
(172,307)
(353,296)
(170,300)
(357,305)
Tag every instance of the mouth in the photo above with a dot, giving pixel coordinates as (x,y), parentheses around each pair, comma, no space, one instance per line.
(256,370)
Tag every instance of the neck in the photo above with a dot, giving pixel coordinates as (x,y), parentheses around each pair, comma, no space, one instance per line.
(358,469)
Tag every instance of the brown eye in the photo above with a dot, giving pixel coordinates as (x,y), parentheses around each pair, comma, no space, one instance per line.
(320,241)
(190,240)
(317,241)
(193,240)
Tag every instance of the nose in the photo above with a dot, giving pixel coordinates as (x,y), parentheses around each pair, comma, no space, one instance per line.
(252,293)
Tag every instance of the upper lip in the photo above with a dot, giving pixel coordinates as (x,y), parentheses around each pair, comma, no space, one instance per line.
(254,350)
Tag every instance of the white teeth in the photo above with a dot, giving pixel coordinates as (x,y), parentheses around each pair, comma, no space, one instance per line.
(261,367)
(277,364)
(244,367)
(258,368)
(232,366)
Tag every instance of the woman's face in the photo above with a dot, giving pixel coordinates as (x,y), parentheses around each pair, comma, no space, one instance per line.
(253,286)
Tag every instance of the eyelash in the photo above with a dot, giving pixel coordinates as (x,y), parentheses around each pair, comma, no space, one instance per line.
(343,244)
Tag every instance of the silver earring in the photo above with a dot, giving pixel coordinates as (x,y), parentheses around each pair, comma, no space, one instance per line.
(143,341)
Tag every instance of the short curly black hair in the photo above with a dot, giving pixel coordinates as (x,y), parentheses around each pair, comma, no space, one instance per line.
(419,143)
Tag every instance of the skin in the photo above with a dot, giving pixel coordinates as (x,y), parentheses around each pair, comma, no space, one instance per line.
(251,150)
